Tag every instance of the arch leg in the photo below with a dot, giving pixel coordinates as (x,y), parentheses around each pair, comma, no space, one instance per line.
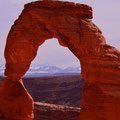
(21,48)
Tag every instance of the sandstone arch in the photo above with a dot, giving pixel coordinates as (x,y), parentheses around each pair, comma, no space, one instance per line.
(71,24)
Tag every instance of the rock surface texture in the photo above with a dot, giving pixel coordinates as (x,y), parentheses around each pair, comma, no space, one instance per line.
(45,111)
(71,24)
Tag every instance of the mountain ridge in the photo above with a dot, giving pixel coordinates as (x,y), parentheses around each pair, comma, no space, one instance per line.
(48,70)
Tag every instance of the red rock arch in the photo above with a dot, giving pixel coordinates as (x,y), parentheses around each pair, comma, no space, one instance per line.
(71,24)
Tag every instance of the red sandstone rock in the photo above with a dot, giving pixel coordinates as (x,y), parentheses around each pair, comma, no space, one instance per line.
(71,24)
(15,102)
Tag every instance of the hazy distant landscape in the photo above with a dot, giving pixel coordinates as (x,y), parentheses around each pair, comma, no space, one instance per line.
(47,70)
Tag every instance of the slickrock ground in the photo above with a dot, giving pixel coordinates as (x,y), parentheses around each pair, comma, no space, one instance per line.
(45,111)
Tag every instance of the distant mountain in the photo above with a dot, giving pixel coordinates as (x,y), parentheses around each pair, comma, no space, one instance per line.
(48,70)
(72,70)
(45,69)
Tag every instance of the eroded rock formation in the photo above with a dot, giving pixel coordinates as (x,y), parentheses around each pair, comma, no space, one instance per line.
(71,24)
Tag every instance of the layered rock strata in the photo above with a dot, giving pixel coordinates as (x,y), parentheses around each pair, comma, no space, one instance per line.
(71,24)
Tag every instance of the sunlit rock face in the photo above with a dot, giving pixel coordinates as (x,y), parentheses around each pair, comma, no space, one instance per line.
(71,24)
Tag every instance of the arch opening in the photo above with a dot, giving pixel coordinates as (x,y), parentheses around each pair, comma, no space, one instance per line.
(54,75)
(58,54)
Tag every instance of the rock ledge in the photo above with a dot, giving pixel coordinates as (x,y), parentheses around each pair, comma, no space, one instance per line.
(44,111)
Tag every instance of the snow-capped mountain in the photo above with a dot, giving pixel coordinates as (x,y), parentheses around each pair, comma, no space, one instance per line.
(48,70)
(72,69)
(45,69)
(51,70)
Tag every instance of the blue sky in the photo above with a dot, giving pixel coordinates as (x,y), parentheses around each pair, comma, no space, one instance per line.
(106,17)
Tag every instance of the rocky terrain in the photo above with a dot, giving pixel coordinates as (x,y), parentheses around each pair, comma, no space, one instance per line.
(61,90)
(57,92)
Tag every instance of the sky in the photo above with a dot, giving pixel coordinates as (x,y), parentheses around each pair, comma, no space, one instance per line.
(106,15)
